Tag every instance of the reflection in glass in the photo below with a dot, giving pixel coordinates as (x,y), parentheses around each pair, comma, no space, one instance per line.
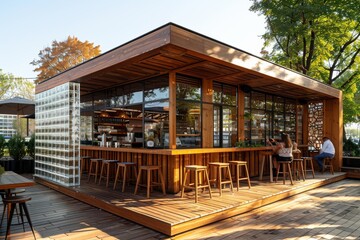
(156,129)
(188,124)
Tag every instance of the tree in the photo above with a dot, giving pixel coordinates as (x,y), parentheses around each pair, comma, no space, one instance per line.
(319,38)
(11,86)
(62,56)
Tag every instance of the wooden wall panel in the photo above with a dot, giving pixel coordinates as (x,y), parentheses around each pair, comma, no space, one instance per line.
(207,114)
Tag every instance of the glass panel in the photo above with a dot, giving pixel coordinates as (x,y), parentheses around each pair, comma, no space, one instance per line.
(133,93)
(157,88)
(156,130)
(188,124)
(257,100)
(188,88)
(217,126)
(217,95)
(229,95)
(229,134)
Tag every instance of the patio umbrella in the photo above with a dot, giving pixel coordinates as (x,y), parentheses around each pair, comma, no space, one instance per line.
(17,106)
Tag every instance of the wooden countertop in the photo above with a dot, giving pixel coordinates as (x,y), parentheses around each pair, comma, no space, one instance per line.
(174,151)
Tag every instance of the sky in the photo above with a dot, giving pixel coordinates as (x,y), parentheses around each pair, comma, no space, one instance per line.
(26,27)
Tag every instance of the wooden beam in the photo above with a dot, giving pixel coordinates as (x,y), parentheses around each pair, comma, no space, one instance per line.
(172,110)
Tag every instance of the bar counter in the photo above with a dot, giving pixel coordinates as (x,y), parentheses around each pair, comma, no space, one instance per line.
(172,161)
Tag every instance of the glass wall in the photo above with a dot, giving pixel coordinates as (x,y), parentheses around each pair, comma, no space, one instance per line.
(188,112)
(57,140)
(267,116)
(225,115)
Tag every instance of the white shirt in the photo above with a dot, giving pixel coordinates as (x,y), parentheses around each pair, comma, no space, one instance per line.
(328,147)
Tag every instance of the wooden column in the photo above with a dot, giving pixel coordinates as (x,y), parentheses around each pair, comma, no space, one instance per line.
(333,128)
(172,110)
(207,114)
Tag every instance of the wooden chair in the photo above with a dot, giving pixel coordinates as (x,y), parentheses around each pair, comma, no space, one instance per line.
(219,180)
(10,204)
(124,166)
(94,168)
(306,168)
(284,165)
(106,167)
(298,168)
(150,183)
(197,170)
(263,156)
(238,165)
(327,163)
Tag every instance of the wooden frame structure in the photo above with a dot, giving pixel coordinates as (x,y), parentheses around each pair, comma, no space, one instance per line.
(172,49)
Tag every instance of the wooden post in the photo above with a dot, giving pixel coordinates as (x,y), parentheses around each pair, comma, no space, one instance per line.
(241,109)
(172,110)
(207,114)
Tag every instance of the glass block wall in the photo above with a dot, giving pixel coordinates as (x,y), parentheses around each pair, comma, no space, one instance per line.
(57,128)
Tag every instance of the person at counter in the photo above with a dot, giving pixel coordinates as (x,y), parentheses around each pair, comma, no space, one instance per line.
(327,150)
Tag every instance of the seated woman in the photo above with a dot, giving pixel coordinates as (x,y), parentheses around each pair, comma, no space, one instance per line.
(284,149)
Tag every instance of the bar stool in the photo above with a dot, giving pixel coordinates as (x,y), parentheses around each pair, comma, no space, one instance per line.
(327,163)
(124,166)
(105,170)
(150,183)
(94,168)
(11,193)
(266,155)
(298,168)
(196,169)
(84,164)
(308,159)
(219,180)
(284,165)
(238,165)
(10,203)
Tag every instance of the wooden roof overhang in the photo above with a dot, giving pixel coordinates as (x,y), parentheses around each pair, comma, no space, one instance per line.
(172,48)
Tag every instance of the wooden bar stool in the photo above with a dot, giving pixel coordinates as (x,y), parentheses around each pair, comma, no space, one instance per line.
(263,156)
(94,168)
(10,203)
(149,182)
(238,177)
(298,168)
(197,170)
(306,169)
(106,167)
(84,164)
(124,166)
(219,180)
(284,165)
(327,163)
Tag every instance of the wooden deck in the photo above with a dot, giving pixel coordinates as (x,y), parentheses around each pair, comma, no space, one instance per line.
(172,215)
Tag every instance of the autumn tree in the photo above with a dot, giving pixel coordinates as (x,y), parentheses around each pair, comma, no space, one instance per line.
(319,38)
(62,56)
(11,86)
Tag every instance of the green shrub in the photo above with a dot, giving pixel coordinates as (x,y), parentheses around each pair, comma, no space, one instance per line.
(2,146)
(31,146)
(16,147)
(351,148)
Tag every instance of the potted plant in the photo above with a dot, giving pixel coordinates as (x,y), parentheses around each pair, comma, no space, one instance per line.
(17,150)
(31,147)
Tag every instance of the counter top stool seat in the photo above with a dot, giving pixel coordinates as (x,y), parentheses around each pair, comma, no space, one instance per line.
(10,203)
(327,163)
(238,175)
(106,167)
(284,165)
(306,169)
(11,193)
(197,170)
(94,168)
(84,164)
(124,166)
(263,156)
(150,183)
(219,179)
(298,168)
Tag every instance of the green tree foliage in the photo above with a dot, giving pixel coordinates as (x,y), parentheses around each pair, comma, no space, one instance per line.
(2,146)
(11,86)
(318,38)
(62,56)
(16,147)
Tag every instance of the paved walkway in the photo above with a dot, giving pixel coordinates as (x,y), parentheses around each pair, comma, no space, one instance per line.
(329,212)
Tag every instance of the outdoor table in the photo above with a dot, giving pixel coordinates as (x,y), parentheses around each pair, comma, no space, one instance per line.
(10,180)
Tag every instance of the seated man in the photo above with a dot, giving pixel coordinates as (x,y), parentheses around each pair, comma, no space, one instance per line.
(327,150)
